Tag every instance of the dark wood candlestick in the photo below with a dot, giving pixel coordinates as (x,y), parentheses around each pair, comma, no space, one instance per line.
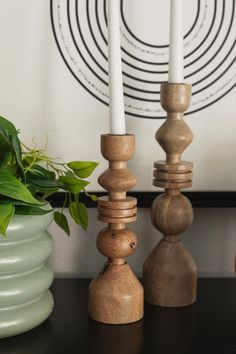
(116,295)
(170,274)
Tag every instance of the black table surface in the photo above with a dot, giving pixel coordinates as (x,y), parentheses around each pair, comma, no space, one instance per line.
(207,327)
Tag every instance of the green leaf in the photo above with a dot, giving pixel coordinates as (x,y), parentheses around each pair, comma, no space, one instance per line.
(70,174)
(28,160)
(74,212)
(10,169)
(8,127)
(72,184)
(5,146)
(42,186)
(41,172)
(62,222)
(79,214)
(5,149)
(10,135)
(11,187)
(6,214)
(83,215)
(18,154)
(48,192)
(92,196)
(82,169)
(16,202)
(31,210)
(41,180)
(44,183)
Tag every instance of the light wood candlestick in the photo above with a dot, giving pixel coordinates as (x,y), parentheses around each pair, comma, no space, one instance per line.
(116,295)
(170,274)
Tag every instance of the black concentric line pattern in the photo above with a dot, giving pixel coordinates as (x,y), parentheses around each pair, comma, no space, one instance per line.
(142,77)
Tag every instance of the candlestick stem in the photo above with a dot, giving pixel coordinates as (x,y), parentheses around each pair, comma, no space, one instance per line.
(170,274)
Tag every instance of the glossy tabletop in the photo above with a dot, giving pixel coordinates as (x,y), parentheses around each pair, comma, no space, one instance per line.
(208,327)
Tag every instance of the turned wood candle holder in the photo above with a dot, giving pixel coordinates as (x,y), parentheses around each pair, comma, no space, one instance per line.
(170,274)
(116,295)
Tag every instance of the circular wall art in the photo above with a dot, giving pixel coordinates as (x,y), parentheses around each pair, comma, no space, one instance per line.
(80,31)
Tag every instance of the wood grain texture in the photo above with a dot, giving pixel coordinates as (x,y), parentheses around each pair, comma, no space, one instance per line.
(171,214)
(170,274)
(116,296)
(116,243)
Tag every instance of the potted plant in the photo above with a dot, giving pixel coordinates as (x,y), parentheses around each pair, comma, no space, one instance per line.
(28,177)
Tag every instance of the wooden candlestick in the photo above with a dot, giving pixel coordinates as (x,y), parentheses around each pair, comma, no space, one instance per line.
(116,295)
(170,274)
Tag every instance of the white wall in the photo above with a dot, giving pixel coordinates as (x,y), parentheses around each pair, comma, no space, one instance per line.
(211,240)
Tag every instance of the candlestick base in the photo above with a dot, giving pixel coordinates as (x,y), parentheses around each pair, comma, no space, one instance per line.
(116,295)
(170,276)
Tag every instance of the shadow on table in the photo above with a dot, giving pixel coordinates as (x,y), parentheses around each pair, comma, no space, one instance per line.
(37,341)
(115,339)
(169,330)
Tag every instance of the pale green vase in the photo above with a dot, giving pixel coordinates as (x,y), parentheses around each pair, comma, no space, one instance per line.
(25,275)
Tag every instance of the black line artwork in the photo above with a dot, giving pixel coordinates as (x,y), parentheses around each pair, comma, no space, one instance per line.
(80,32)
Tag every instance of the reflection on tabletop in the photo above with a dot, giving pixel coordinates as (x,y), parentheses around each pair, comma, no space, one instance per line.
(37,341)
(162,331)
(169,330)
(115,339)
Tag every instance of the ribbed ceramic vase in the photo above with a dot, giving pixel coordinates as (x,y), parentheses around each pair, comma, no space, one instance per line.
(25,275)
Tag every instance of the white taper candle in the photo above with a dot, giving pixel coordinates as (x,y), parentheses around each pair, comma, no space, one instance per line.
(176,65)
(117,114)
